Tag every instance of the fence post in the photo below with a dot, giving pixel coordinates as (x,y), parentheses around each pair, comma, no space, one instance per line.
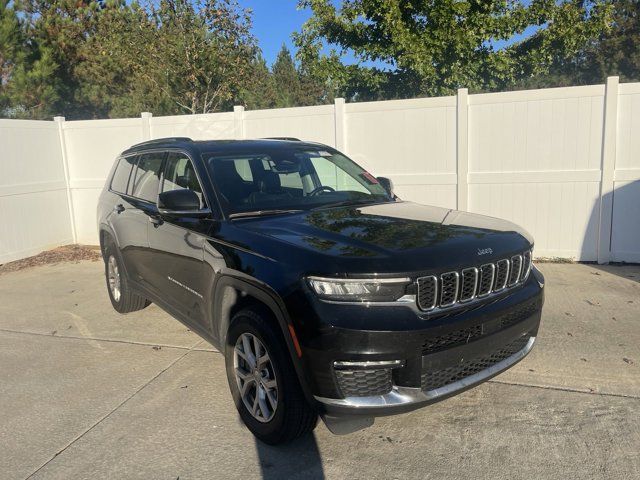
(609,137)
(238,121)
(462,148)
(67,178)
(339,118)
(146,125)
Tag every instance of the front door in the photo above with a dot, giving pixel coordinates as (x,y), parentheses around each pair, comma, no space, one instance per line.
(177,246)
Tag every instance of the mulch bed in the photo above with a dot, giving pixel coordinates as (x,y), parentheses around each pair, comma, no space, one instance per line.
(68,253)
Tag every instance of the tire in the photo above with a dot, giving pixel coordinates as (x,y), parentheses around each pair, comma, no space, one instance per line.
(123,299)
(292,416)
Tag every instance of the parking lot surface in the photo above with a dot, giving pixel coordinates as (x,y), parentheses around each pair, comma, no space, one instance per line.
(88,393)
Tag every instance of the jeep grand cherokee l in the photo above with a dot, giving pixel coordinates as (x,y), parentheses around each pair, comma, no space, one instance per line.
(326,293)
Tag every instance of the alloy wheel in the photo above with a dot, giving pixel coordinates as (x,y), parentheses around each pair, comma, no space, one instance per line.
(255,377)
(113,275)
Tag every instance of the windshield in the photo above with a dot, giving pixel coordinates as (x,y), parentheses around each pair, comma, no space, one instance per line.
(290,179)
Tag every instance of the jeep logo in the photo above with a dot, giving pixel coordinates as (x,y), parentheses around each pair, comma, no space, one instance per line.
(484,251)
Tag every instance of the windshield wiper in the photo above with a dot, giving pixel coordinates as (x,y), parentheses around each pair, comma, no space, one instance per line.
(259,213)
(348,203)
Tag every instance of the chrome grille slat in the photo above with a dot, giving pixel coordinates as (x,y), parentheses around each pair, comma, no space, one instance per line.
(451,288)
(526,265)
(469,284)
(487,274)
(427,292)
(516,270)
(502,275)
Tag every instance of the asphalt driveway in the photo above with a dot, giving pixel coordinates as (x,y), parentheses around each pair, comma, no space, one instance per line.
(87,393)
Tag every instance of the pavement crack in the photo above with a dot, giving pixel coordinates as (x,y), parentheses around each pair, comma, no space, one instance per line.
(111,340)
(117,407)
(566,389)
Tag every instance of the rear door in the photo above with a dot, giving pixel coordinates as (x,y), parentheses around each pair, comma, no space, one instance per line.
(177,270)
(143,187)
(126,219)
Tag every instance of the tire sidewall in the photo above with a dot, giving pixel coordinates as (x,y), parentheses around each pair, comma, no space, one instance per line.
(110,250)
(246,323)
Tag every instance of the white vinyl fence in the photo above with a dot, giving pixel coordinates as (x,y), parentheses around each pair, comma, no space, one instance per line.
(563,162)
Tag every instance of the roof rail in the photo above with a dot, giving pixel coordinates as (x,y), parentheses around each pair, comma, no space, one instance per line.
(163,140)
(290,139)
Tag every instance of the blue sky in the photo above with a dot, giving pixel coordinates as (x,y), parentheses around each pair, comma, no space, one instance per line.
(273,23)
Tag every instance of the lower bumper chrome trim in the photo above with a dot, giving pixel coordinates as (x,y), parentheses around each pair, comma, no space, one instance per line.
(401,396)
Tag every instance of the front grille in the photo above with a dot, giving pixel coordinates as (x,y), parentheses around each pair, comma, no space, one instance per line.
(474,282)
(433,379)
(364,383)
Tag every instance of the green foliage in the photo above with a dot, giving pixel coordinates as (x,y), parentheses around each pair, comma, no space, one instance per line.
(112,58)
(433,48)
(616,51)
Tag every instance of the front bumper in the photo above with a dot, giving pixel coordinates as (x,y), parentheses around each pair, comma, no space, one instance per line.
(402,399)
(430,371)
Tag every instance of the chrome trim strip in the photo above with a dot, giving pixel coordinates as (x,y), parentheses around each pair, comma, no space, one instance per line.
(373,365)
(399,396)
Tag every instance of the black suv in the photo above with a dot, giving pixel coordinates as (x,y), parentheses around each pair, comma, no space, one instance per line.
(326,293)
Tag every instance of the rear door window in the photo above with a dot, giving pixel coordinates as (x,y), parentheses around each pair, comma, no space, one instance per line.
(122,173)
(147,176)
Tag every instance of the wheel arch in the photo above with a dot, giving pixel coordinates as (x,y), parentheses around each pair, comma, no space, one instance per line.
(233,294)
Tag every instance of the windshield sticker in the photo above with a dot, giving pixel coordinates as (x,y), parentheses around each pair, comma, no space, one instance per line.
(370,179)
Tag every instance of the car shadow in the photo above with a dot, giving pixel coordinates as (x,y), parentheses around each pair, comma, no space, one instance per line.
(299,459)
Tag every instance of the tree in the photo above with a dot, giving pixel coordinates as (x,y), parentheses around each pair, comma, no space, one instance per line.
(178,56)
(433,48)
(259,88)
(10,47)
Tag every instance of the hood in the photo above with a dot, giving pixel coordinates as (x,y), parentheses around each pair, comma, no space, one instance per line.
(403,234)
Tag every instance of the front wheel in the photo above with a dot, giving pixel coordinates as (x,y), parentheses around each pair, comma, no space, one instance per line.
(263,382)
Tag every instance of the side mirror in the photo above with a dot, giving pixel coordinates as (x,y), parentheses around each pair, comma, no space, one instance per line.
(182,202)
(387,184)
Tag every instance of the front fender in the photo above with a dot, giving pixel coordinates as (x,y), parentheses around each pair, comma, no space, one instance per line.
(227,287)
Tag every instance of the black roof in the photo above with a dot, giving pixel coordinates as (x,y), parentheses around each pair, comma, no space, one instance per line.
(223,146)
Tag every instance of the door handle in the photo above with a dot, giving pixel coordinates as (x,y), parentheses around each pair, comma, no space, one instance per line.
(156,220)
(118,208)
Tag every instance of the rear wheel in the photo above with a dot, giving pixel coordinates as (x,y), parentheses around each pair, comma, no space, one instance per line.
(123,299)
(263,382)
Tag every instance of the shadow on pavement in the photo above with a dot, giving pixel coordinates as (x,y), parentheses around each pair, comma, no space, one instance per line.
(299,459)
(625,225)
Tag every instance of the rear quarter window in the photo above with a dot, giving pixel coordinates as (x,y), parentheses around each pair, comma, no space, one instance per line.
(121,175)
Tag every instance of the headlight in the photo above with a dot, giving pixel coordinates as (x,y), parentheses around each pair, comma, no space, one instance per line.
(359,289)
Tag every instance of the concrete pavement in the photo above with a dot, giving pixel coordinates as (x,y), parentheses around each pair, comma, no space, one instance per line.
(88,393)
